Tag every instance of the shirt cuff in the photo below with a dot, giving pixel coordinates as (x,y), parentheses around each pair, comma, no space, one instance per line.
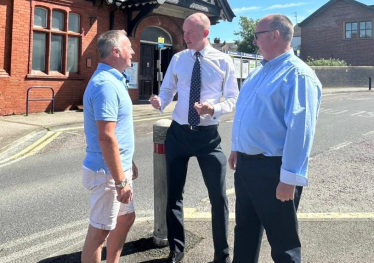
(217,112)
(292,178)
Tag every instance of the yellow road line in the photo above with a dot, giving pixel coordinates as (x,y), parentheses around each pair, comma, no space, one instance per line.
(335,215)
(29,148)
(43,144)
(191,213)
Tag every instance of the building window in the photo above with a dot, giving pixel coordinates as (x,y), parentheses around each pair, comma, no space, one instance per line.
(363,29)
(350,30)
(56,41)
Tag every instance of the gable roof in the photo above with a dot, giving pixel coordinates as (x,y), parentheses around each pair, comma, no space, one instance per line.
(229,14)
(327,5)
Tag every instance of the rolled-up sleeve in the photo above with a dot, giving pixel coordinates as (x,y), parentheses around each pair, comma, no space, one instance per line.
(301,111)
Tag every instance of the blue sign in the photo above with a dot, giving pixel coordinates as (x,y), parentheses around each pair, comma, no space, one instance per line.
(161,45)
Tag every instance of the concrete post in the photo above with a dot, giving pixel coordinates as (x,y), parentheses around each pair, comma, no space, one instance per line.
(160,128)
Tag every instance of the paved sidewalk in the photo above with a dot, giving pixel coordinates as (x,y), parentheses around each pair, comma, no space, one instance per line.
(323,241)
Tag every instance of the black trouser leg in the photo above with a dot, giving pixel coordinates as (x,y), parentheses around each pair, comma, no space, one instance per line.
(213,167)
(256,181)
(247,242)
(176,164)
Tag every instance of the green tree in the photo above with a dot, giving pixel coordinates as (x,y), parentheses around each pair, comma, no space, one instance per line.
(247,35)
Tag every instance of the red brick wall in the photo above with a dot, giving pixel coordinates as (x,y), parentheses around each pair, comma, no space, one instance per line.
(68,91)
(5,36)
(324,35)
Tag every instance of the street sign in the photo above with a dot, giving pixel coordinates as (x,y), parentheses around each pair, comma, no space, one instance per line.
(161,42)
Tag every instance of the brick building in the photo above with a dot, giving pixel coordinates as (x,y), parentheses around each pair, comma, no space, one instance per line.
(340,29)
(52,43)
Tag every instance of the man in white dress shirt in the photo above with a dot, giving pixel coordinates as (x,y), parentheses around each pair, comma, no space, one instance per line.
(185,139)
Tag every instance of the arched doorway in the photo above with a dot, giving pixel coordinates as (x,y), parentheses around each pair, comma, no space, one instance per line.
(150,54)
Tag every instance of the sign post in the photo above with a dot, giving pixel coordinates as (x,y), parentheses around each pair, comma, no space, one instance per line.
(161,46)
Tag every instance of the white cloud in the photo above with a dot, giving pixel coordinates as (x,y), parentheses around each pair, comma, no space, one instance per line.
(246,9)
(286,5)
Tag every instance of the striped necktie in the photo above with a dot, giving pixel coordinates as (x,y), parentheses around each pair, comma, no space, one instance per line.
(193,116)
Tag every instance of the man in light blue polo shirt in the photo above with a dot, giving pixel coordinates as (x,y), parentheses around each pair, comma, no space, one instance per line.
(108,168)
(272,137)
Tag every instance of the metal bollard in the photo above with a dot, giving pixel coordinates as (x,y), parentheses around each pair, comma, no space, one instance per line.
(160,128)
(369,83)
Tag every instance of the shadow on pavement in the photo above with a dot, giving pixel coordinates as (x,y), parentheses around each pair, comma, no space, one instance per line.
(138,246)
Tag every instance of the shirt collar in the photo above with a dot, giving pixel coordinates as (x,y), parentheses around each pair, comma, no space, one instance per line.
(203,52)
(279,59)
(113,71)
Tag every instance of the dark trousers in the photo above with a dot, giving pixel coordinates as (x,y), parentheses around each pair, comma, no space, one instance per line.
(256,180)
(182,143)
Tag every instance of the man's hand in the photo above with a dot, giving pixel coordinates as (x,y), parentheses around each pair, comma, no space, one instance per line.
(233,159)
(204,108)
(285,192)
(155,101)
(135,172)
(124,194)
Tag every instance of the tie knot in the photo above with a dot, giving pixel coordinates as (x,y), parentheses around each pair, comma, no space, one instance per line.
(197,54)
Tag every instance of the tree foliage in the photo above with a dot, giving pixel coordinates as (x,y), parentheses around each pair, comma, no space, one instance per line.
(247,35)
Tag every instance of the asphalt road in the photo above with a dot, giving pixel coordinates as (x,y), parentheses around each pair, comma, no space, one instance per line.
(43,206)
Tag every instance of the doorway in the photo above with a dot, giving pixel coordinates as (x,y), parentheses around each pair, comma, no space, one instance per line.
(149,56)
(146,74)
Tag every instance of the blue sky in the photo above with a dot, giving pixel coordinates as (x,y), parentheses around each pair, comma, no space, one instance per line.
(259,8)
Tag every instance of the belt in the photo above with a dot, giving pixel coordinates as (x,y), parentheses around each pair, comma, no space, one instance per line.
(253,156)
(257,156)
(197,128)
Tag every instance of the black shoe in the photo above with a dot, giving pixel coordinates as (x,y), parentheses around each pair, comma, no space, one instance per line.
(175,257)
(225,260)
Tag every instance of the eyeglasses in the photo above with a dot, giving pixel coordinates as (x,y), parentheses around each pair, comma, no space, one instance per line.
(260,32)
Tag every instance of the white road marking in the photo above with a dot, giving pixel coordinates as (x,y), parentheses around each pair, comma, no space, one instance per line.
(339,146)
(368,133)
(50,243)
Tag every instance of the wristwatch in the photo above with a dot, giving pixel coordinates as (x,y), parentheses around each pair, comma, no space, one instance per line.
(122,184)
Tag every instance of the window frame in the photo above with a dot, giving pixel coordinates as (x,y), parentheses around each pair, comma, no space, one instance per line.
(65,33)
(358,29)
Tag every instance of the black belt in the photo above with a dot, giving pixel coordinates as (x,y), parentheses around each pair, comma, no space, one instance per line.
(253,156)
(197,128)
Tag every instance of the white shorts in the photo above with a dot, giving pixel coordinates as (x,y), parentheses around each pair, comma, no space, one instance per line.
(104,206)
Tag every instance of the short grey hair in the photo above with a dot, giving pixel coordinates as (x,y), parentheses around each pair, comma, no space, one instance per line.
(108,40)
(284,25)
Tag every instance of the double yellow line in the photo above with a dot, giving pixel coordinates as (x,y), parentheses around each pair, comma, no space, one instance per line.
(49,137)
(33,148)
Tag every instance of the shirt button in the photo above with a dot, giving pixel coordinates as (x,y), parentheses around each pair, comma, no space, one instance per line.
(236,138)
(238,120)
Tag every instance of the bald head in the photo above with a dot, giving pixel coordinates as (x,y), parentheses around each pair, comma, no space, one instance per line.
(196,31)
(199,19)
